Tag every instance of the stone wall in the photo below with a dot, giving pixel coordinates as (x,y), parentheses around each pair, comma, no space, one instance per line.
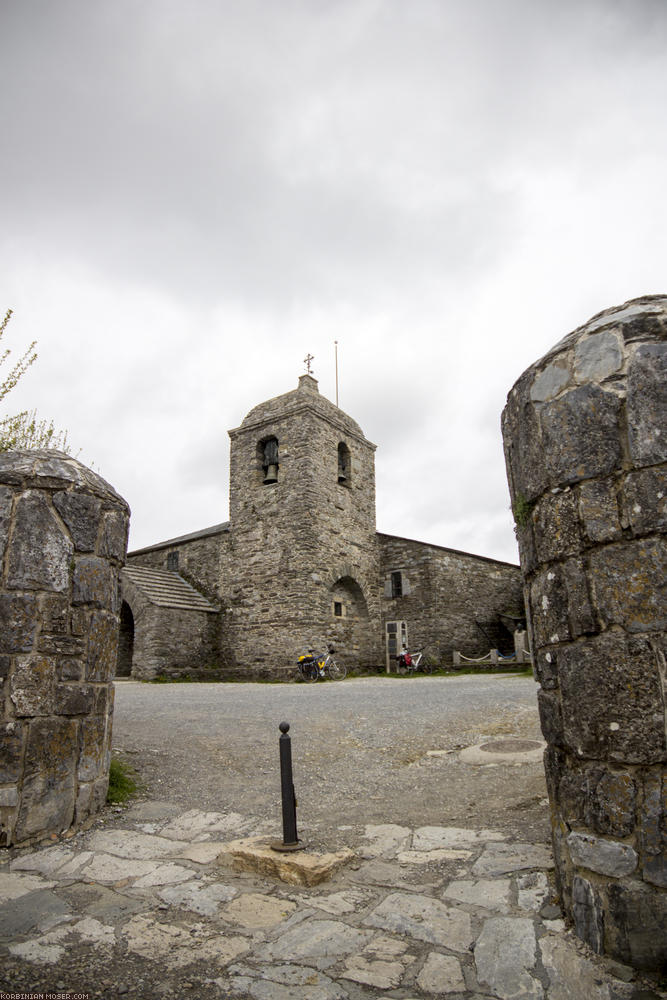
(63,536)
(586,449)
(445,593)
(197,558)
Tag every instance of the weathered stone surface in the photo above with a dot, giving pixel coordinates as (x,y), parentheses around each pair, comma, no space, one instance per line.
(299,868)
(551,716)
(550,382)
(18,622)
(557,530)
(608,857)
(570,974)
(81,514)
(546,668)
(580,434)
(645,500)
(327,940)
(5,512)
(597,357)
(386,839)
(175,946)
(636,928)
(92,748)
(628,581)
(587,913)
(654,829)
(647,404)
(430,838)
(500,859)
(581,616)
(197,825)
(254,910)
(133,844)
(524,449)
(550,609)
(102,647)
(611,696)
(284,982)
(49,788)
(423,918)
(33,685)
(491,894)
(93,582)
(114,536)
(40,552)
(598,509)
(198,896)
(74,699)
(441,974)
(505,954)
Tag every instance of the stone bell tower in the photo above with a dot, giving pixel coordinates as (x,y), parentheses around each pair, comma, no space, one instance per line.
(303,539)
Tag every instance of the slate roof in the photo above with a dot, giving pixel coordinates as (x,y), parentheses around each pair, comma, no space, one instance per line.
(166,589)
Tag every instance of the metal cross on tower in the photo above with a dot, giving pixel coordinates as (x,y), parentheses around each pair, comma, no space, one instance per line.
(308,358)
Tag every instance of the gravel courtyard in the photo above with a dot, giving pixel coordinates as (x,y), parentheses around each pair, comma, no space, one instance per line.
(360,751)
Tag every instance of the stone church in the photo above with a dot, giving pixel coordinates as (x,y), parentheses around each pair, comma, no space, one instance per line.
(300,564)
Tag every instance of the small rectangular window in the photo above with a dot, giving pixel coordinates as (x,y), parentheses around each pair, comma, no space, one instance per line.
(338,609)
(397,584)
(172,561)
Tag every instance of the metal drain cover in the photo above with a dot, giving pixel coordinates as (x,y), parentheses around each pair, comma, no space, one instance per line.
(512,750)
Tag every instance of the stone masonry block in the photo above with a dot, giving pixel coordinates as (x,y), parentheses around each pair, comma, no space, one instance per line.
(5,513)
(587,913)
(557,532)
(598,509)
(597,357)
(612,700)
(654,829)
(54,614)
(580,612)
(647,404)
(114,536)
(549,608)
(524,454)
(599,854)
(94,583)
(11,751)
(93,748)
(598,797)
(580,434)
(629,584)
(40,551)
(636,924)
(102,647)
(551,716)
(18,622)
(74,699)
(32,685)
(645,500)
(546,668)
(81,514)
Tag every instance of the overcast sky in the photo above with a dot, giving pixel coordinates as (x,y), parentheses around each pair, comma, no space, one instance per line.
(198,193)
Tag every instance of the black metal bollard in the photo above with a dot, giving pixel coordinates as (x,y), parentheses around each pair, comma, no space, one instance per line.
(290,839)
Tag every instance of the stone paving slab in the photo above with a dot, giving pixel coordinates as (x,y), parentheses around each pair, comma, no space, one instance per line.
(427,913)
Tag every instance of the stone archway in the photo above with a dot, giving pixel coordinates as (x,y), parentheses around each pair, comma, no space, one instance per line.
(350,625)
(125,641)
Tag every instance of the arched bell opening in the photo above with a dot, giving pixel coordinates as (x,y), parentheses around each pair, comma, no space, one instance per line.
(125,641)
(267,460)
(344,465)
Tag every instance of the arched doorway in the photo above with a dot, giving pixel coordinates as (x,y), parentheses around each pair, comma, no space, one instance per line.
(125,641)
(350,628)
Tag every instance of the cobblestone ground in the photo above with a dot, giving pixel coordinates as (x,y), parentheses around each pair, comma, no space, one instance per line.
(448,892)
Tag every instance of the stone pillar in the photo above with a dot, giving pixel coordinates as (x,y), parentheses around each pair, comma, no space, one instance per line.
(63,539)
(586,445)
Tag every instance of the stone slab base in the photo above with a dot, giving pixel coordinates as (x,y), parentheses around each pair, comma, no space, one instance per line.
(254,854)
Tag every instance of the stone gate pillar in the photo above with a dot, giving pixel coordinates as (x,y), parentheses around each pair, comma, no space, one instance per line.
(63,539)
(585,435)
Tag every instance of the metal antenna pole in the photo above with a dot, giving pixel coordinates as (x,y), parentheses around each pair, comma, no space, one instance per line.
(336,351)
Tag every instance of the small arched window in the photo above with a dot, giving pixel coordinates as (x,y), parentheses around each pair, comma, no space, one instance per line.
(344,465)
(267,453)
